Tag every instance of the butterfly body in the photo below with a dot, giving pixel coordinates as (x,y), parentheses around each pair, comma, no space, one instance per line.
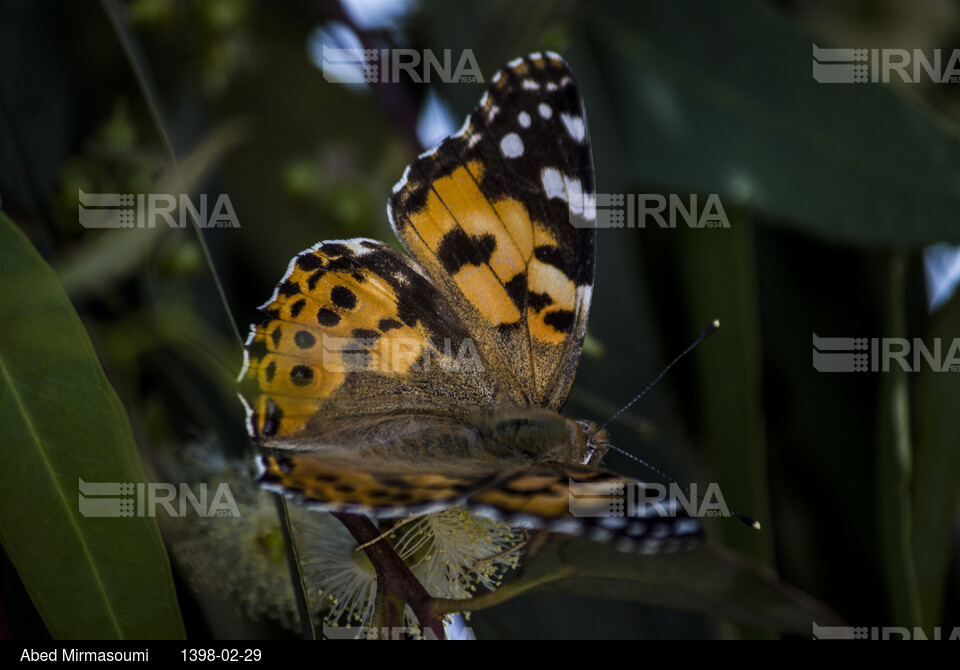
(393,384)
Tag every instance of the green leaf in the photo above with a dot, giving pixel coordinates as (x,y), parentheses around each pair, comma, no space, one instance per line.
(710,580)
(735,111)
(89,577)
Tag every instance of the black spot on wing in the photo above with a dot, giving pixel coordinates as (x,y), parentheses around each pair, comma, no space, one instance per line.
(538,301)
(271,419)
(457,249)
(288,288)
(343,297)
(388,324)
(304,339)
(517,289)
(301,375)
(561,320)
(327,317)
(284,464)
(336,250)
(309,262)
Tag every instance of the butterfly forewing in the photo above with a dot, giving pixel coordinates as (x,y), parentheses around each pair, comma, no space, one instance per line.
(500,216)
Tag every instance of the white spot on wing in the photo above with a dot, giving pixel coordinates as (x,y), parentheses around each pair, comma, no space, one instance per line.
(523,119)
(486,512)
(567,527)
(574,194)
(545,110)
(525,521)
(575,126)
(649,547)
(590,206)
(613,522)
(552,182)
(530,85)
(511,145)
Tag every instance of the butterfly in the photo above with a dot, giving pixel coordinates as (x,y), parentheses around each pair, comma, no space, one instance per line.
(396,385)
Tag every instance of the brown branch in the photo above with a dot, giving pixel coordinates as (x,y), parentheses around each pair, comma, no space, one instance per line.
(394,579)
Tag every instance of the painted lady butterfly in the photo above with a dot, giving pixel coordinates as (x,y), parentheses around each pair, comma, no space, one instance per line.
(398,386)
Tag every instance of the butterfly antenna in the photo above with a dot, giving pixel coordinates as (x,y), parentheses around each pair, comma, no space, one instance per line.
(711,329)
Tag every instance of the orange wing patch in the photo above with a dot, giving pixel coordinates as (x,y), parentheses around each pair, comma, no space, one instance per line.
(462,230)
(329,484)
(539,492)
(343,308)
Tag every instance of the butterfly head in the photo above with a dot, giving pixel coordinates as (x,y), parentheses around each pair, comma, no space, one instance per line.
(594,441)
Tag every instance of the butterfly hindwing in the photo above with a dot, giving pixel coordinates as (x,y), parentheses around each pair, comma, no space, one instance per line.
(501,217)
(556,497)
(354,331)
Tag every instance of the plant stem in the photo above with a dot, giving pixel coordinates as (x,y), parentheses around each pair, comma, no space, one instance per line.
(394,579)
